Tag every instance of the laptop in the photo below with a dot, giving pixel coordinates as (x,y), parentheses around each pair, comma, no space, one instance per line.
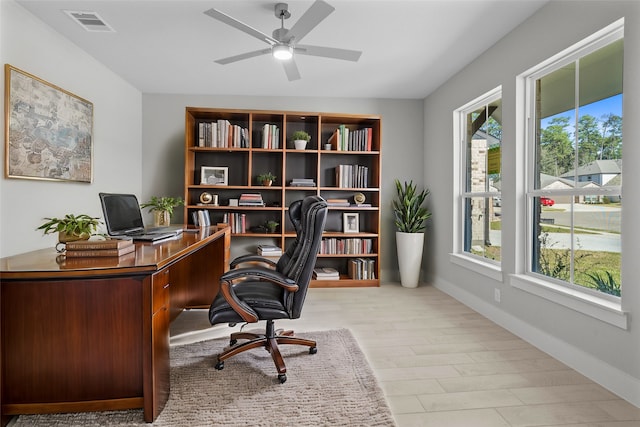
(123,219)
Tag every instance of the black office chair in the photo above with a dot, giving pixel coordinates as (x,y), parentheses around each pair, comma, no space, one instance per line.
(251,294)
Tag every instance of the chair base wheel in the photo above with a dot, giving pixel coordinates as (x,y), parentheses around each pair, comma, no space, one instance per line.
(282,378)
(219,366)
(313,350)
(233,342)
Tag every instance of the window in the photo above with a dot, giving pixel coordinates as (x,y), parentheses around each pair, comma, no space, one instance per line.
(479,135)
(574,177)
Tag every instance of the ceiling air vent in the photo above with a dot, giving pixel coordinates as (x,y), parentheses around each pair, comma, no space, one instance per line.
(90,21)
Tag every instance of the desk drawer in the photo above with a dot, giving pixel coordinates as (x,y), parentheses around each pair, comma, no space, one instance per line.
(160,296)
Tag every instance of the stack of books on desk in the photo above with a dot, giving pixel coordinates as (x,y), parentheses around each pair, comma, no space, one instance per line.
(269,250)
(248,199)
(99,248)
(325,273)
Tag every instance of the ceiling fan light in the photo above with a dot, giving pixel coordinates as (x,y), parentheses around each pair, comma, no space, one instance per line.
(282,52)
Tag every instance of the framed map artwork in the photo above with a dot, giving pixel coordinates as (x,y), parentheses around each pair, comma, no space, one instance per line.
(48,131)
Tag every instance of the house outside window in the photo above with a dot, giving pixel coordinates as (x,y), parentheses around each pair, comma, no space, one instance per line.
(574,178)
(479,137)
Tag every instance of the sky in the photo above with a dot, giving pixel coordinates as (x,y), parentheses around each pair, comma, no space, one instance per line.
(612,105)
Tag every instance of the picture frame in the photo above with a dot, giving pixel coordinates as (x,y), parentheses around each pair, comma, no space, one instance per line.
(214,175)
(48,130)
(351,222)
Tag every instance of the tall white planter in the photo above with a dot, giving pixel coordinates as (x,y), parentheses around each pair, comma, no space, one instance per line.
(410,247)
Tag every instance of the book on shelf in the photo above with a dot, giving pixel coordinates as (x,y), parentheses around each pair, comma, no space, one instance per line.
(325,273)
(338,202)
(362,269)
(361,205)
(345,139)
(237,222)
(83,245)
(270,136)
(352,176)
(302,182)
(100,252)
(201,218)
(250,199)
(351,246)
(222,134)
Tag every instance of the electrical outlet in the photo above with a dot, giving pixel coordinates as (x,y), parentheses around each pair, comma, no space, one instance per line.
(496,294)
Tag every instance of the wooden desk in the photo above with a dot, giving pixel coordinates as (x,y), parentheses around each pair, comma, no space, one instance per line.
(92,334)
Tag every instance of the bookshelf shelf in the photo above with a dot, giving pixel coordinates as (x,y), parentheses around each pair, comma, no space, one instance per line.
(254,142)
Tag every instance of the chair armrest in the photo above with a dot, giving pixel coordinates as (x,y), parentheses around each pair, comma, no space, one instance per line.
(227,287)
(261,273)
(251,258)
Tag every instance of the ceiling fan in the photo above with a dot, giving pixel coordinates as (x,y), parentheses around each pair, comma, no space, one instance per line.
(284,42)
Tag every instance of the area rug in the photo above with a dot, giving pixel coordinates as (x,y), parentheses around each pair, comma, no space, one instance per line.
(334,387)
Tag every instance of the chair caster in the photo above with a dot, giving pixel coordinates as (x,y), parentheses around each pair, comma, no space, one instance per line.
(282,378)
(219,366)
(233,342)
(313,350)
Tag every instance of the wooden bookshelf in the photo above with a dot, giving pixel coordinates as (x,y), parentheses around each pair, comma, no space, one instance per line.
(252,154)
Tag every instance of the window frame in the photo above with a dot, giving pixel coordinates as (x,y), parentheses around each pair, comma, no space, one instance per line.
(607,308)
(459,256)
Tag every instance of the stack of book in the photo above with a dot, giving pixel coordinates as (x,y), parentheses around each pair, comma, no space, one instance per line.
(338,202)
(99,248)
(302,182)
(251,199)
(325,273)
(269,250)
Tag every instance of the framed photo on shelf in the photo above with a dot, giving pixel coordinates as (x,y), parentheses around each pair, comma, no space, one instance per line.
(214,175)
(351,222)
(49,131)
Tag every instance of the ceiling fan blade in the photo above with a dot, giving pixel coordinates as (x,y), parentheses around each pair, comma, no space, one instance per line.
(318,11)
(223,17)
(328,52)
(291,69)
(242,56)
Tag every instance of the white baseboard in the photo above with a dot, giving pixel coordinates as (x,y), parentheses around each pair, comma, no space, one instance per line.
(610,377)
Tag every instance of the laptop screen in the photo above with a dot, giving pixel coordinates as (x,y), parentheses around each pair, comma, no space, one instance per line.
(121,213)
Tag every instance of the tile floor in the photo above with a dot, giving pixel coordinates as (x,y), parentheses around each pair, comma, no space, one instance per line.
(442,364)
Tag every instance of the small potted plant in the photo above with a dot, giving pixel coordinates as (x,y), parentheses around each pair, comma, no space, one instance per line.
(266,179)
(410,217)
(71,227)
(162,208)
(271,226)
(300,139)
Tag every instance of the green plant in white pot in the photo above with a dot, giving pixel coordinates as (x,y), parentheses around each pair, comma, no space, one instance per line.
(410,220)
(300,139)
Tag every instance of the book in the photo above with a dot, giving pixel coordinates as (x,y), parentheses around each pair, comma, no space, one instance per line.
(269,250)
(325,273)
(100,252)
(201,218)
(126,260)
(338,202)
(83,245)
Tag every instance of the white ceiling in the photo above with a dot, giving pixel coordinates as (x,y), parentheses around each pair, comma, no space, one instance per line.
(409,47)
